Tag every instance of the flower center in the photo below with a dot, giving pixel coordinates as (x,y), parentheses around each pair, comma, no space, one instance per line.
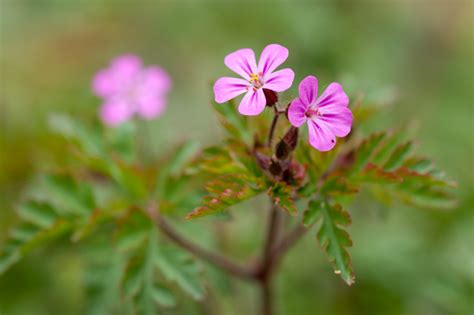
(311,112)
(256,80)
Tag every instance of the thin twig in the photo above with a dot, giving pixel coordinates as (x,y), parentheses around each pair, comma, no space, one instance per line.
(272,129)
(294,235)
(264,271)
(213,258)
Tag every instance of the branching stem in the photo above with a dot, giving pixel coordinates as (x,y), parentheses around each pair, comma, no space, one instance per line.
(274,248)
(213,258)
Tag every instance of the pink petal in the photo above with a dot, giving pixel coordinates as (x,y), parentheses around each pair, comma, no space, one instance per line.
(320,136)
(296,113)
(121,74)
(103,84)
(242,62)
(279,81)
(333,96)
(339,121)
(154,80)
(151,107)
(308,89)
(253,103)
(125,66)
(228,88)
(115,112)
(272,56)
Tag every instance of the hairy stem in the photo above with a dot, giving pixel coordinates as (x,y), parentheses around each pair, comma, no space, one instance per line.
(272,129)
(264,274)
(213,258)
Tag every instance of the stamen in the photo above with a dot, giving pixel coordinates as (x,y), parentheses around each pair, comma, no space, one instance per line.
(255,80)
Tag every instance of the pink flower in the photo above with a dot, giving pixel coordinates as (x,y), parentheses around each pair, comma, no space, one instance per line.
(255,78)
(128,88)
(327,116)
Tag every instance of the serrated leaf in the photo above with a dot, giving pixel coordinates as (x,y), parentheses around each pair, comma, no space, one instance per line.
(234,123)
(121,140)
(69,195)
(338,185)
(27,236)
(281,195)
(151,268)
(163,296)
(178,267)
(227,191)
(387,147)
(398,156)
(366,150)
(312,214)
(171,173)
(90,140)
(133,231)
(333,238)
(41,214)
(102,281)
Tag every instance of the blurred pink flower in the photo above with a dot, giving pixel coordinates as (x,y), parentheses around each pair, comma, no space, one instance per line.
(128,88)
(256,78)
(327,116)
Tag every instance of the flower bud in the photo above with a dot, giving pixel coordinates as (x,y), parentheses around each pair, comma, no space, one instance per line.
(271,97)
(262,160)
(291,138)
(275,168)
(282,150)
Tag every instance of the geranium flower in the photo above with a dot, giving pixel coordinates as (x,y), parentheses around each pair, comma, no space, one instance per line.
(127,88)
(255,78)
(327,116)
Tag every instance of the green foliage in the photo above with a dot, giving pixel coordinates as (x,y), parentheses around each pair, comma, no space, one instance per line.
(64,203)
(332,237)
(386,163)
(153,266)
(282,196)
(234,123)
(227,191)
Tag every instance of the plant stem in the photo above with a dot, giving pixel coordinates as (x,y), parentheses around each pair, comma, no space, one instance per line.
(272,129)
(213,258)
(264,274)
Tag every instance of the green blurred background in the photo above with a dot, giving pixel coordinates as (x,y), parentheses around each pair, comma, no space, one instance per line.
(416,55)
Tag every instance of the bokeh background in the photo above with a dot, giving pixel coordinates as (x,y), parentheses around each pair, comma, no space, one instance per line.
(415,55)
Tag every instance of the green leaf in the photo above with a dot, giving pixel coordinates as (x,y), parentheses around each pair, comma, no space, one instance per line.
(178,267)
(133,230)
(152,267)
(102,279)
(234,123)
(27,236)
(121,140)
(89,140)
(386,148)
(227,191)
(312,214)
(366,150)
(332,237)
(41,214)
(281,195)
(163,296)
(337,185)
(398,156)
(69,195)
(172,171)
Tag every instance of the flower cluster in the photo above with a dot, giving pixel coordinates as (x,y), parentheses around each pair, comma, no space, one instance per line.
(127,89)
(327,116)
